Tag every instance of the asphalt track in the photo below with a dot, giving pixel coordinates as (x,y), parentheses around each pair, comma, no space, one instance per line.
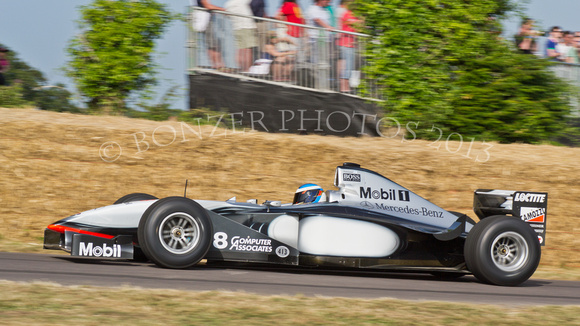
(66,271)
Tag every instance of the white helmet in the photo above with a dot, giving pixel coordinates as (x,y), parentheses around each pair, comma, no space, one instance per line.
(309,193)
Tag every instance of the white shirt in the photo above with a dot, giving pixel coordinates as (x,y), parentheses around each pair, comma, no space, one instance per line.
(241,7)
(563,50)
(316,12)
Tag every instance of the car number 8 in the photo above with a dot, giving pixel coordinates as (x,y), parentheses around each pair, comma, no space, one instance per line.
(220,240)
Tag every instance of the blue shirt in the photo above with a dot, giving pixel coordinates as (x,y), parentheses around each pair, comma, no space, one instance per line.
(550,45)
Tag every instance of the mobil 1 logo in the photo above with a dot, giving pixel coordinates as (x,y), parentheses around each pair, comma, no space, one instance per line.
(89,246)
(385,194)
(532,208)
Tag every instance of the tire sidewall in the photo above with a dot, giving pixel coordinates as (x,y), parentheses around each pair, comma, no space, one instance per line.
(134,197)
(148,232)
(478,250)
(138,254)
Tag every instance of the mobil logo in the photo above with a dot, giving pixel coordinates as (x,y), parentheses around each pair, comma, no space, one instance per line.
(385,194)
(88,249)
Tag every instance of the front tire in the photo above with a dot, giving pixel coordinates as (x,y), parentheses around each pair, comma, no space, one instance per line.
(134,197)
(138,254)
(502,250)
(175,232)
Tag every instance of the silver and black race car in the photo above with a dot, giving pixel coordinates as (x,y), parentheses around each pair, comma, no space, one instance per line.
(370,222)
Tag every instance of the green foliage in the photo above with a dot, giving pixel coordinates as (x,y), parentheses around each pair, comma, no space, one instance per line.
(11,97)
(571,135)
(442,64)
(157,112)
(207,116)
(29,88)
(113,57)
(55,98)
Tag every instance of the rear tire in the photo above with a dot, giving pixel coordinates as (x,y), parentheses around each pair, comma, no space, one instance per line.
(502,250)
(175,232)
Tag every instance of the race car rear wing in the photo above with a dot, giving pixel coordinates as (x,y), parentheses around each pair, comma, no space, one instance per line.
(531,207)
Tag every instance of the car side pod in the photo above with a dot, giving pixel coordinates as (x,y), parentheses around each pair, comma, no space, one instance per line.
(456,229)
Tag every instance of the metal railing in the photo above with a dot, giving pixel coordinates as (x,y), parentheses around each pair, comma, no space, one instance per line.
(570,72)
(279,52)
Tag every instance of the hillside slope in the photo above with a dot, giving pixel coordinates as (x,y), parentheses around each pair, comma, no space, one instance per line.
(54,164)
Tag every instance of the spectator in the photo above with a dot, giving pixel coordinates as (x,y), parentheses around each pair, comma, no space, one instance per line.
(259,10)
(568,48)
(211,39)
(526,37)
(317,16)
(245,32)
(4,66)
(281,50)
(552,42)
(346,44)
(333,17)
(290,12)
(577,42)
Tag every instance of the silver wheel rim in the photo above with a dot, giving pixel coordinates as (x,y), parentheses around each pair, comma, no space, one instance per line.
(179,233)
(509,251)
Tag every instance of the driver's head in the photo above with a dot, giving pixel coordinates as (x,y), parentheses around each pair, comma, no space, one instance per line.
(309,193)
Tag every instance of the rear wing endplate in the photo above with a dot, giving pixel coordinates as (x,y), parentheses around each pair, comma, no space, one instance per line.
(531,207)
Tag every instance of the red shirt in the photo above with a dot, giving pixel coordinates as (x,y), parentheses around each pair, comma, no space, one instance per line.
(293,15)
(347,20)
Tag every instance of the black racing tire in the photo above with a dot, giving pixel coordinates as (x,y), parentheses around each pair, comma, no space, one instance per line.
(175,232)
(134,197)
(138,254)
(502,250)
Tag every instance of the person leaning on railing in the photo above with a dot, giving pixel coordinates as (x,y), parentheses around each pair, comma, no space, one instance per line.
(290,12)
(259,10)
(245,32)
(569,49)
(346,44)
(526,37)
(211,39)
(577,42)
(552,43)
(318,16)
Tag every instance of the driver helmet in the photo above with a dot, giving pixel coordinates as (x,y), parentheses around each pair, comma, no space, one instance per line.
(309,193)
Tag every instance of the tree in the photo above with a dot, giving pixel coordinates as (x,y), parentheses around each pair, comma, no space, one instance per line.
(29,87)
(443,64)
(112,58)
